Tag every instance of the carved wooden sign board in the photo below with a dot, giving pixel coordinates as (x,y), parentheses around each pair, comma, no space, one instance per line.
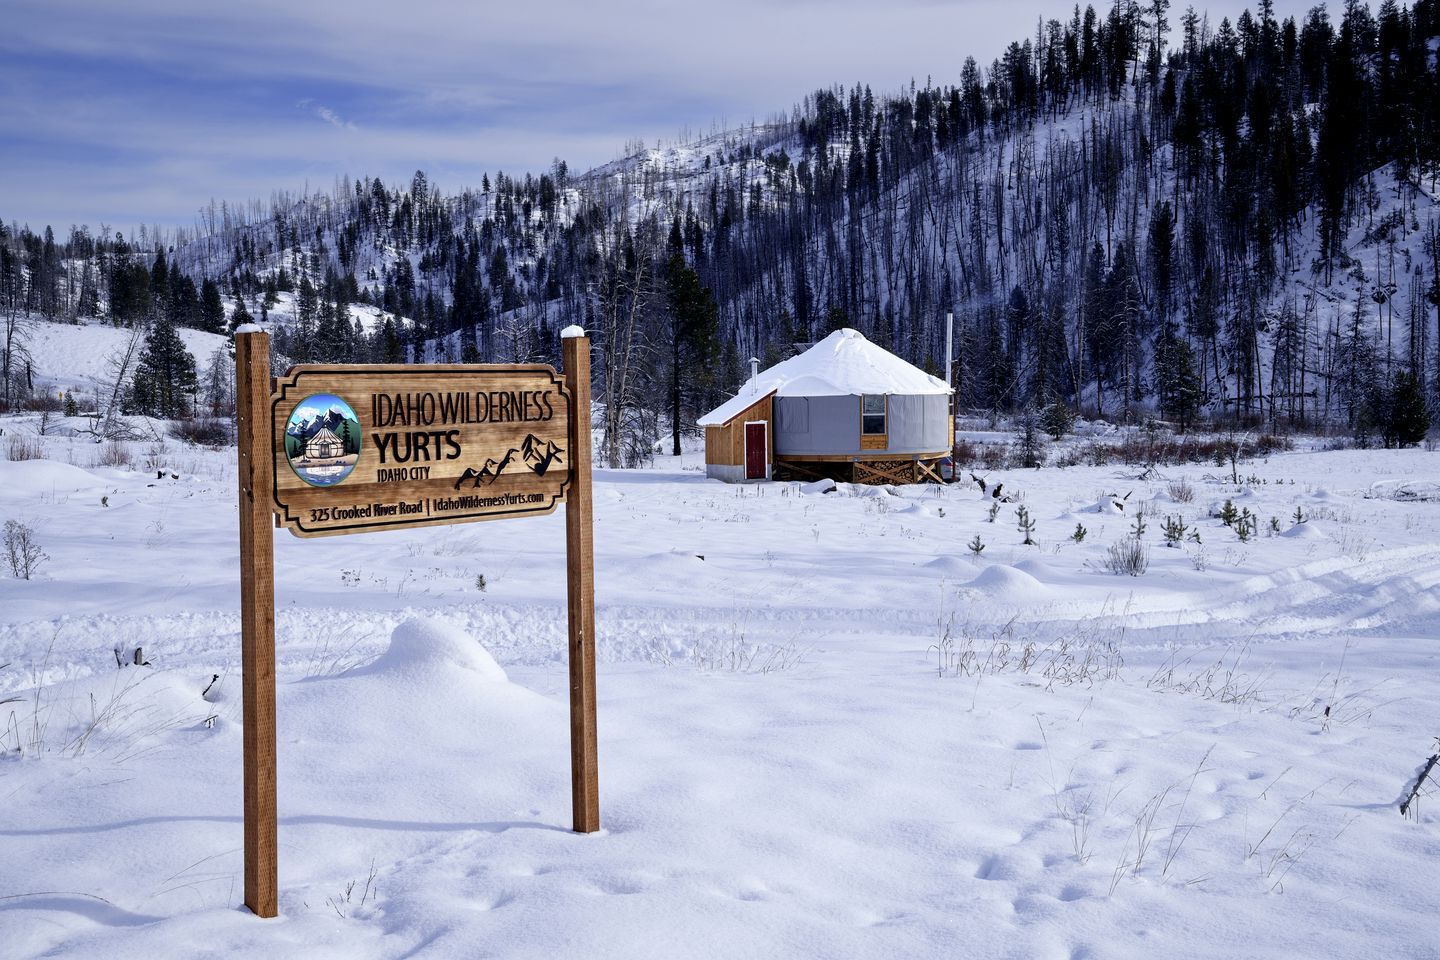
(360,448)
(330,450)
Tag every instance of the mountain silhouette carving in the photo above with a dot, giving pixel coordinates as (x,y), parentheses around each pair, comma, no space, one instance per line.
(535,453)
(539,454)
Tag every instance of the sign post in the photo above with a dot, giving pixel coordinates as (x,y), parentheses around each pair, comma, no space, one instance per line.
(339,449)
(257,620)
(580,580)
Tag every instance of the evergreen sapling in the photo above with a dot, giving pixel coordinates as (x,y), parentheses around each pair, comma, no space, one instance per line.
(1025,524)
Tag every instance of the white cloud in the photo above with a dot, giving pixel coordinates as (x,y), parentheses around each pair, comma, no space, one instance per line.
(451,87)
(326,114)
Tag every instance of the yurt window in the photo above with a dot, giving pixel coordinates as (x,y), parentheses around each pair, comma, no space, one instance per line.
(872,413)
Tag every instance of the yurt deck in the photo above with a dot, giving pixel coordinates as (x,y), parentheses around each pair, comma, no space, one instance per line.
(850,468)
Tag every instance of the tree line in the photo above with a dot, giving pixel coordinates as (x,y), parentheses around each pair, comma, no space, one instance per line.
(1234,220)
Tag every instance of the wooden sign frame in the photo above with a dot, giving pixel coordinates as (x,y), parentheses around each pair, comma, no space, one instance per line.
(420,426)
(258,399)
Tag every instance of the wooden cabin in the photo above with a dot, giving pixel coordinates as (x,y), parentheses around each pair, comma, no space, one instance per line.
(844,409)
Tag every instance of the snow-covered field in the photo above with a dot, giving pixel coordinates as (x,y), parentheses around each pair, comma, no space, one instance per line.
(826,728)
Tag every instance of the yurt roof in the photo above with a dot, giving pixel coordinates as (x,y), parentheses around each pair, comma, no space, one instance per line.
(843,364)
(324,434)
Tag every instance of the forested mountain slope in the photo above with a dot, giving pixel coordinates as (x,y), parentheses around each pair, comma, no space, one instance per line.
(1236,219)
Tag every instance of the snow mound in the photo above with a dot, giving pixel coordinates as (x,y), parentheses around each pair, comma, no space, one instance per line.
(1038,569)
(819,486)
(879,491)
(1309,530)
(1105,505)
(664,564)
(1002,582)
(1407,491)
(950,566)
(43,476)
(425,646)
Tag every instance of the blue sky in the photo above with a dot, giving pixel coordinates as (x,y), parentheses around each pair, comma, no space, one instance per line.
(142,111)
(319,405)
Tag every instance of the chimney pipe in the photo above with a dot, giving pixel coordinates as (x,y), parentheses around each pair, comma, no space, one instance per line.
(754,373)
(949,350)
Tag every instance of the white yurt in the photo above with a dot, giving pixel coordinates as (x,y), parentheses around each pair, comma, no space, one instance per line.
(844,409)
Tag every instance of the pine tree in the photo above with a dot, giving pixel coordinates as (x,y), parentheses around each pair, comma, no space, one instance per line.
(219,382)
(1029,444)
(1406,414)
(1176,382)
(387,347)
(694,325)
(240,317)
(160,285)
(349,437)
(1017,328)
(212,307)
(165,383)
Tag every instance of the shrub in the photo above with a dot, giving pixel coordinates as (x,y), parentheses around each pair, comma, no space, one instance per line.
(1127,556)
(21,551)
(1268,443)
(24,448)
(114,454)
(210,432)
(1181,491)
(43,403)
(1246,525)
(1057,419)
(993,456)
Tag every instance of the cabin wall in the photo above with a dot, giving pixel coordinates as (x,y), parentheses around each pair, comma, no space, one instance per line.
(918,424)
(719,447)
(819,426)
(725,445)
(830,426)
(728,472)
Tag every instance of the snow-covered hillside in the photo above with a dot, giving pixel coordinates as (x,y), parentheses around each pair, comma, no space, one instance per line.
(827,728)
(80,356)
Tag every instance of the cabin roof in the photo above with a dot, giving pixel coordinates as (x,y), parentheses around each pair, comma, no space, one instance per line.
(843,364)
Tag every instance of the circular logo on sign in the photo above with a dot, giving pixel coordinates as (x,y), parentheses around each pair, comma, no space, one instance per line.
(322,439)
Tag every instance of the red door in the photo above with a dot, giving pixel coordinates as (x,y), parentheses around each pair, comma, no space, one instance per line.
(755,451)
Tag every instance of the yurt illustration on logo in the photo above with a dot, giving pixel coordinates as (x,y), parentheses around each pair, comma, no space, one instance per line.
(322,439)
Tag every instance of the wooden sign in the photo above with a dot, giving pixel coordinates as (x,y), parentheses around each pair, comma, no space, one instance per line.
(349,449)
(379,447)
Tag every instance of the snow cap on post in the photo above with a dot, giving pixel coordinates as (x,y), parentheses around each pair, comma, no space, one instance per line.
(249,328)
(574,330)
